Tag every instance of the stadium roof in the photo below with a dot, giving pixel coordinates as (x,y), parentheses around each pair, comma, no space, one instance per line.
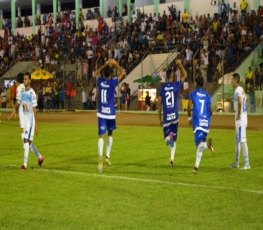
(6,4)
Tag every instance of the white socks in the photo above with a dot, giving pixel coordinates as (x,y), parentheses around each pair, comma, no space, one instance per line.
(201,147)
(100,147)
(237,151)
(26,152)
(34,150)
(108,148)
(172,151)
(245,153)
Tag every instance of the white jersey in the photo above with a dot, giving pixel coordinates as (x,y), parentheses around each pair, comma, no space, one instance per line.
(27,102)
(239,92)
(19,90)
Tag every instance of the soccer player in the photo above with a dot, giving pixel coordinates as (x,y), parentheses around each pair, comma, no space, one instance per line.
(200,103)
(240,107)
(106,113)
(26,107)
(168,103)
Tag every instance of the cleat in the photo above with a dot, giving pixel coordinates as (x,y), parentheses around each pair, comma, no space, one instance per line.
(108,162)
(234,165)
(210,145)
(100,166)
(171,164)
(41,160)
(23,167)
(246,167)
(195,170)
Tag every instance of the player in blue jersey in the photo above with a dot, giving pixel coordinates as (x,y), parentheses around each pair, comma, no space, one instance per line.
(106,113)
(200,104)
(168,103)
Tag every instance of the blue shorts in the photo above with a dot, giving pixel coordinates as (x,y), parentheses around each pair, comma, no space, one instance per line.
(200,136)
(171,128)
(106,124)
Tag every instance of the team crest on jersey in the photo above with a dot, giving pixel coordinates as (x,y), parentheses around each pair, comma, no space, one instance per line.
(168,88)
(103,84)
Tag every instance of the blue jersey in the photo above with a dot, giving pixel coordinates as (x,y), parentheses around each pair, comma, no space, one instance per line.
(169,93)
(201,110)
(106,90)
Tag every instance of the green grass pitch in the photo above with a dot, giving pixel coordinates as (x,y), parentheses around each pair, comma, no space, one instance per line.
(139,190)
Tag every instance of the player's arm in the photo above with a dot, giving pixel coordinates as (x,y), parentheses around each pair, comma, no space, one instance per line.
(121,72)
(182,69)
(14,112)
(160,110)
(100,69)
(35,115)
(189,111)
(239,104)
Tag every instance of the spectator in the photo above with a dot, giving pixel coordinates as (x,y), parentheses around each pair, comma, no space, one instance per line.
(243,6)
(147,101)
(3,98)
(84,98)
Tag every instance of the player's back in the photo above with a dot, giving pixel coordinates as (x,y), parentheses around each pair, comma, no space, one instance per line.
(201,108)
(169,93)
(106,91)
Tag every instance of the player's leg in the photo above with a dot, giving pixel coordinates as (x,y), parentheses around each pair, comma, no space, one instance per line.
(111,125)
(101,131)
(172,144)
(26,139)
(34,149)
(243,140)
(237,147)
(201,144)
(170,135)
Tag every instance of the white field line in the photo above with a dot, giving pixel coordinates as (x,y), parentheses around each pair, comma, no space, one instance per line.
(152,181)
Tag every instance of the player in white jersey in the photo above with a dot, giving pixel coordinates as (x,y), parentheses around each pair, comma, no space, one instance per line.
(21,89)
(240,107)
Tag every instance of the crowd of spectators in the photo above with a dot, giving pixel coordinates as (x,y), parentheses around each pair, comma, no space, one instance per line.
(205,41)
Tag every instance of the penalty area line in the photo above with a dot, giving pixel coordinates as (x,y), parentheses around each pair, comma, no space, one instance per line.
(152,181)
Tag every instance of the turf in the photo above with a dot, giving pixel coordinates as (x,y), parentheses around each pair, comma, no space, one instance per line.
(139,190)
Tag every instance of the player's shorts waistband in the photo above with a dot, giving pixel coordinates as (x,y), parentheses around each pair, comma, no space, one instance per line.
(201,129)
(106,116)
(170,123)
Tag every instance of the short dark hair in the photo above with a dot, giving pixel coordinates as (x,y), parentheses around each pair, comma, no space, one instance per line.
(200,81)
(236,77)
(28,74)
(107,71)
(20,78)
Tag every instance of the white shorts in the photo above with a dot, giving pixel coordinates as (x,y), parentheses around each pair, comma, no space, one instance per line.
(29,131)
(241,135)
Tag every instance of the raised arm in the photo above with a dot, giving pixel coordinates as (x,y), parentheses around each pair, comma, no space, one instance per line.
(113,63)
(182,69)
(160,110)
(189,111)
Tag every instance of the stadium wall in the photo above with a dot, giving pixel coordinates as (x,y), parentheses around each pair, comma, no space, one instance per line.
(197,7)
